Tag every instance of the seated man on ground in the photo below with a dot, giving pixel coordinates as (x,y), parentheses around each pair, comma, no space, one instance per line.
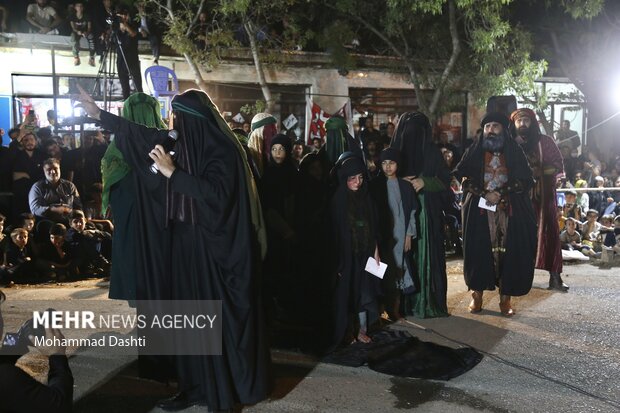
(53,198)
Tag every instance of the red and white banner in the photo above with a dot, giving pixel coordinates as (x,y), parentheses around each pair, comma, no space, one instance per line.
(316,118)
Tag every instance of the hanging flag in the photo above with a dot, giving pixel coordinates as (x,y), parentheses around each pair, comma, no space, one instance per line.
(318,117)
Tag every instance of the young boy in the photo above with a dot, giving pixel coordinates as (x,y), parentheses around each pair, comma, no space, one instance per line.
(55,254)
(570,239)
(397,205)
(85,245)
(609,239)
(571,208)
(81,26)
(19,266)
(591,230)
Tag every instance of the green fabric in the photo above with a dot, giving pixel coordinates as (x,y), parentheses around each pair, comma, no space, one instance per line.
(433,184)
(335,145)
(242,139)
(140,108)
(267,121)
(186,109)
(336,123)
(113,169)
(423,302)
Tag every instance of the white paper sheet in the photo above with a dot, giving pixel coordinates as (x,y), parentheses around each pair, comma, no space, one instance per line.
(485,205)
(371,267)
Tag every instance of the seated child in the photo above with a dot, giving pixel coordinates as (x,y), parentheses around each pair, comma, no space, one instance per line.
(55,254)
(85,245)
(27,221)
(571,208)
(18,265)
(570,239)
(591,230)
(609,238)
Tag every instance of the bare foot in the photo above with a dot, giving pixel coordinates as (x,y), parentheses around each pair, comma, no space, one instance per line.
(363,337)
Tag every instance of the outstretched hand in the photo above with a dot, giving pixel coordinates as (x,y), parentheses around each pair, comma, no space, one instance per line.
(87,103)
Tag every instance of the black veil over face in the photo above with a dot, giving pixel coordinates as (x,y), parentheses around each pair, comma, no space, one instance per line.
(413,137)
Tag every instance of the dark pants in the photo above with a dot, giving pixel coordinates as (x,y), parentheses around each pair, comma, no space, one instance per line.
(75,44)
(133,63)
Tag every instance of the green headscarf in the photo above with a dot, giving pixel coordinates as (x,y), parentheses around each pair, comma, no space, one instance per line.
(140,108)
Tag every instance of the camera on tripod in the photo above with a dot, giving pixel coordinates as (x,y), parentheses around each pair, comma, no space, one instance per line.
(113,21)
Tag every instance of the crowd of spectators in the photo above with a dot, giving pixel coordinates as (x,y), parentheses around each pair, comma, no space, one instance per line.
(91,20)
(51,224)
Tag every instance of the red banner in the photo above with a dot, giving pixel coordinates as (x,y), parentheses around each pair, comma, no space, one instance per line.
(317,123)
(318,117)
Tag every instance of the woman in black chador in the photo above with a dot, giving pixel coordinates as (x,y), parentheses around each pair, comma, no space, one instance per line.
(212,222)
(277,190)
(355,239)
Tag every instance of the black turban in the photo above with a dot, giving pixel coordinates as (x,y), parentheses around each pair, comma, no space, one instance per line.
(495,117)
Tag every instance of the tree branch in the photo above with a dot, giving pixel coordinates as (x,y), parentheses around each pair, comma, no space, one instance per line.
(456,51)
(408,61)
(160,6)
(190,28)
(247,25)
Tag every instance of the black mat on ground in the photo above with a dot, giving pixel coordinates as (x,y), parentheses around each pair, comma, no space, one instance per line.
(397,353)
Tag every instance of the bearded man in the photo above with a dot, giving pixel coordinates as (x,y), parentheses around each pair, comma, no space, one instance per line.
(499,228)
(545,160)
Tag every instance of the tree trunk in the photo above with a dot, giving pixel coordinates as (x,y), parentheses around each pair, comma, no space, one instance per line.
(259,67)
(200,82)
(447,71)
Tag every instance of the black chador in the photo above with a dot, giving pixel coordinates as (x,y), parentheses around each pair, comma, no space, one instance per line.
(212,249)
(355,240)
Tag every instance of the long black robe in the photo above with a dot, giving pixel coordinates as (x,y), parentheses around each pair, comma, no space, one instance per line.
(312,255)
(517,269)
(208,256)
(277,192)
(356,290)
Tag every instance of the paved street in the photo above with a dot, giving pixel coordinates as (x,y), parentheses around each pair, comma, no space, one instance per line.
(560,353)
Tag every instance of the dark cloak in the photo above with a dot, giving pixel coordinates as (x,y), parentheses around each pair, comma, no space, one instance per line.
(312,256)
(517,272)
(211,250)
(420,157)
(356,290)
(128,204)
(277,191)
